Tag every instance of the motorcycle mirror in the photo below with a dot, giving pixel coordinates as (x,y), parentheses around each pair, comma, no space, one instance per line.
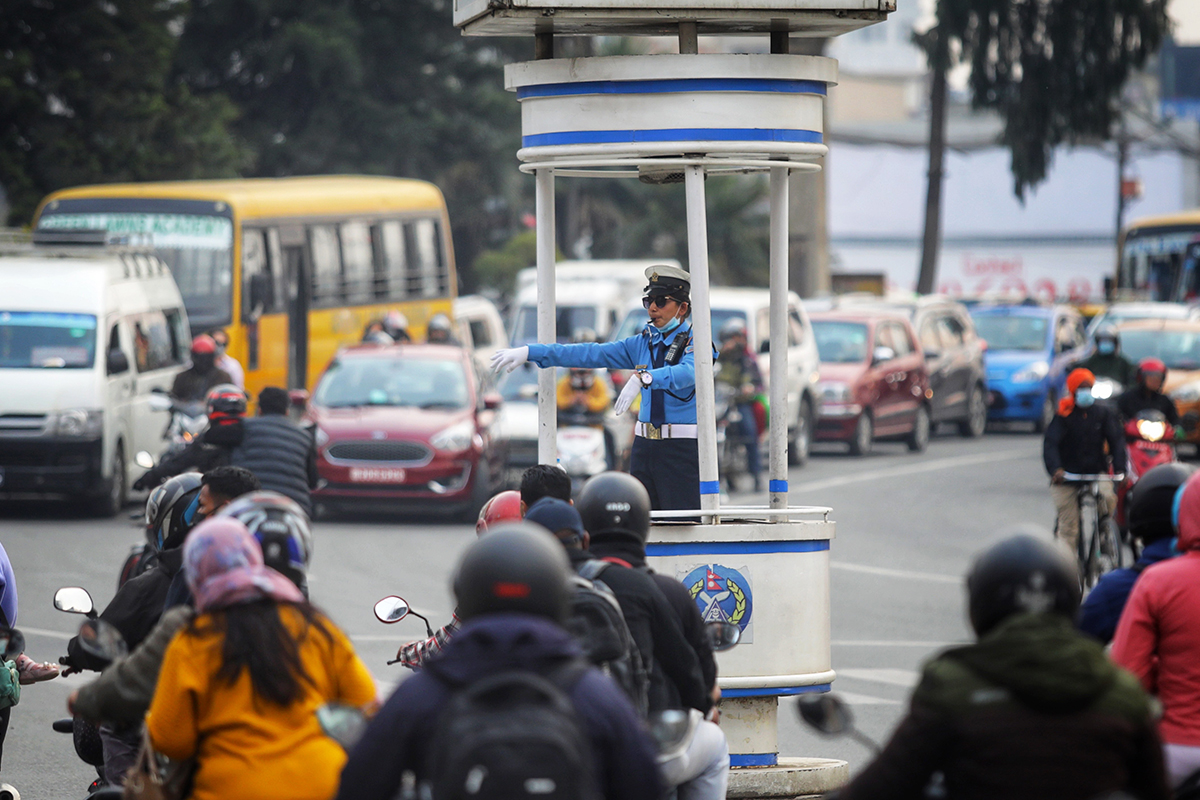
(159,402)
(391,609)
(670,729)
(144,460)
(12,643)
(102,640)
(826,713)
(342,723)
(74,600)
(723,635)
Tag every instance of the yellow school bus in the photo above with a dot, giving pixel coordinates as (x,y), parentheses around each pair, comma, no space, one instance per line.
(292,268)
(1159,256)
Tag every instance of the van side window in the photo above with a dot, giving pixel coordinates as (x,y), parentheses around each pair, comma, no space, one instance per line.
(114,338)
(480,335)
(180,343)
(797,327)
(155,345)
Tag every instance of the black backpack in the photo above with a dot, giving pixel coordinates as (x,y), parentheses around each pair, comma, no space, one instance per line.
(510,736)
(597,623)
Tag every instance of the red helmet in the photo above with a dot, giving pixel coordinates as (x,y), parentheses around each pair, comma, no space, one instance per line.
(225,403)
(204,344)
(504,507)
(1149,366)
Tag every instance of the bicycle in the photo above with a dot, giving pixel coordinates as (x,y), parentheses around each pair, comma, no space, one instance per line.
(1099,547)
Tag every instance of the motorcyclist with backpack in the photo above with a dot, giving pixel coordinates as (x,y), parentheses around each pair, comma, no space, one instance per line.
(1033,709)
(509,708)
(226,408)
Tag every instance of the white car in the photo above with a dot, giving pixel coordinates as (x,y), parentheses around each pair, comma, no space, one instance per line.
(753,306)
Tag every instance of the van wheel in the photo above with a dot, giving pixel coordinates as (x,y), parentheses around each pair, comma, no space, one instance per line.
(973,426)
(113,499)
(864,435)
(918,440)
(801,441)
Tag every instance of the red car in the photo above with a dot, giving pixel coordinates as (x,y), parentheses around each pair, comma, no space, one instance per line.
(407,424)
(873,383)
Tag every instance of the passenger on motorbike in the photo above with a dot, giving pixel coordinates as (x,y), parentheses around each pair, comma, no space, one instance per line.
(226,408)
(1158,638)
(240,685)
(1150,505)
(1075,442)
(1147,394)
(513,590)
(195,382)
(737,369)
(1107,361)
(1033,709)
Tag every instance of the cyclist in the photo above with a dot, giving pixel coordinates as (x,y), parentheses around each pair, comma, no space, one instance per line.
(1075,442)
(1107,361)
(1147,395)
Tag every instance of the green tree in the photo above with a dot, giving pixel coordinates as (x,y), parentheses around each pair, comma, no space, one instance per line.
(85,96)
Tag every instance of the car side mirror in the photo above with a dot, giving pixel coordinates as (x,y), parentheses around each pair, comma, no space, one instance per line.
(117,362)
(492,401)
(881,354)
(298,399)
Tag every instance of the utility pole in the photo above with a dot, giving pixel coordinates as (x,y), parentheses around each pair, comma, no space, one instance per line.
(937,151)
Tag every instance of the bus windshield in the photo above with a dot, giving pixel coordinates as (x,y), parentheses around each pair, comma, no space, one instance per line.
(1160,263)
(46,340)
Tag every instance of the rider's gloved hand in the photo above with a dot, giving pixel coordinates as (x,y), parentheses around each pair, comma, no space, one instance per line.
(632,388)
(1057,477)
(140,484)
(508,360)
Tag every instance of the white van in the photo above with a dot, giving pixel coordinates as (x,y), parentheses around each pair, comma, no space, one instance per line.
(86,334)
(589,295)
(480,326)
(753,307)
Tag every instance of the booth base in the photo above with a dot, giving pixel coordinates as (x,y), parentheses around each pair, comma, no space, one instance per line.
(793,777)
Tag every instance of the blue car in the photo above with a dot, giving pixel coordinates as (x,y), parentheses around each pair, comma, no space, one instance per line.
(1030,350)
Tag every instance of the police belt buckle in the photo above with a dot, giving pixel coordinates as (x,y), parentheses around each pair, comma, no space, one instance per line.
(653,431)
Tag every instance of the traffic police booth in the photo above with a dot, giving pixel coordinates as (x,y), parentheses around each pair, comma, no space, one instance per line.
(683,117)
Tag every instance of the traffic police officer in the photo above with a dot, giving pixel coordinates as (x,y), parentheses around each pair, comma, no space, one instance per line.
(665,456)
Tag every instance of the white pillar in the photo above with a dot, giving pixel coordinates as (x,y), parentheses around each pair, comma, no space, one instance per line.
(547,308)
(697,226)
(777,475)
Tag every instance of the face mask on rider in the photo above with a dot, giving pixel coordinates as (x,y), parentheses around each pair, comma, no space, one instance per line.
(1106,348)
(1083,397)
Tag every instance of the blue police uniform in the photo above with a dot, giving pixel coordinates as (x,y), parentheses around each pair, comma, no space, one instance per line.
(666,461)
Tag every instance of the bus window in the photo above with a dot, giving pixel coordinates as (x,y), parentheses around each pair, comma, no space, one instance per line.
(327,268)
(424,251)
(358,269)
(391,282)
(258,285)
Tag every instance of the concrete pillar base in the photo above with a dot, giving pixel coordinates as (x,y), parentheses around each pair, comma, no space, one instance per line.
(793,777)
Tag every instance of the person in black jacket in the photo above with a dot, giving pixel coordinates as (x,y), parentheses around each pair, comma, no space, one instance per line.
(505,630)
(278,451)
(1075,442)
(1148,396)
(225,406)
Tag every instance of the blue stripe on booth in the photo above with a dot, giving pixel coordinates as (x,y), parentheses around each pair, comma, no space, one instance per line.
(710,487)
(753,759)
(674,86)
(673,135)
(777,486)
(735,548)
(779,692)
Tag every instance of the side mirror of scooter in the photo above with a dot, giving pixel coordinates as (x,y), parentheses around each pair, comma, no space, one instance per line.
(342,723)
(391,609)
(723,635)
(826,713)
(12,643)
(671,730)
(102,640)
(74,600)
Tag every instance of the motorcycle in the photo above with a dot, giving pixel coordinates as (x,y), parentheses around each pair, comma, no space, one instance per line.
(582,446)
(731,444)
(1149,442)
(188,420)
(394,608)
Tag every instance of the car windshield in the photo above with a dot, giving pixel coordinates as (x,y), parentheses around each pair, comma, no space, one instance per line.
(1177,349)
(840,342)
(1004,332)
(637,319)
(413,382)
(47,340)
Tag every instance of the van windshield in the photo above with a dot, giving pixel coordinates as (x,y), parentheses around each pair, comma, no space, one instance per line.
(569,321)
(46,340)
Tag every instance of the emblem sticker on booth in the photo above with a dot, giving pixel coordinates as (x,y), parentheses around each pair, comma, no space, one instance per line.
(722,593)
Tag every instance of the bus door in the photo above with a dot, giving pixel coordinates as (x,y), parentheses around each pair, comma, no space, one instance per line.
(296,279)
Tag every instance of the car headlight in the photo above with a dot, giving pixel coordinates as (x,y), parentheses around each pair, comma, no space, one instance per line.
(1188,393)
(321,437)
(835,392)
(455,438)
(77,423)
(1032,373)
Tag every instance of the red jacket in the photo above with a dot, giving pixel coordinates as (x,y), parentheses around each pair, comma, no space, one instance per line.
(1158,637)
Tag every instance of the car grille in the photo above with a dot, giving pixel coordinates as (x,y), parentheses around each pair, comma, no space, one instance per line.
(395,452)
(22,424)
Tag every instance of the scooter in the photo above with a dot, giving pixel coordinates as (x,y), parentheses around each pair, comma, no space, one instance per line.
(582,446)
(188,420)
(1149,442)
(731,445)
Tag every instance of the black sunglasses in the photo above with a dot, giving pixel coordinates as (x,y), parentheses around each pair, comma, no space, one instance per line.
(657,300)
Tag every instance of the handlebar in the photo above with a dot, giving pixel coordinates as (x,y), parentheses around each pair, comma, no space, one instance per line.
(1077,478)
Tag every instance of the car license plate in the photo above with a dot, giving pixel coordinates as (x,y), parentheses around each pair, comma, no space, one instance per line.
(377,475)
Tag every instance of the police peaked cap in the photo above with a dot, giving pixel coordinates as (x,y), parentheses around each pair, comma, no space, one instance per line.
(671,281)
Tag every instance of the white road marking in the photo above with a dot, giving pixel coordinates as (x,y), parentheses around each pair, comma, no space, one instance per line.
(911,469)
(891,643)
(45,632)
(928,577)
(893,677)
(855,699)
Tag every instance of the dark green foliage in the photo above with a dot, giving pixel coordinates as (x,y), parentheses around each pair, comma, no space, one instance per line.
(1053,69)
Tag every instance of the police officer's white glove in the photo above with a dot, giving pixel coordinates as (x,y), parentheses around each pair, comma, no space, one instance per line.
(633,387)
(508,360)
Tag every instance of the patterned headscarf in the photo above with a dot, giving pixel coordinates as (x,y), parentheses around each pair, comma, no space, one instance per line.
(224,566)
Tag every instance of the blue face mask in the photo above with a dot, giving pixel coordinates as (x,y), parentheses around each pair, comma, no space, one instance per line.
(1083,397)
(670,326)
(1106,348)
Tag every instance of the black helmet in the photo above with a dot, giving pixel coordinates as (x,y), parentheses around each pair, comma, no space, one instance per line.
(1152,498)
(615,503)
(518,567)
(280,526)
(174,511)
(1109,333)
(1021,574)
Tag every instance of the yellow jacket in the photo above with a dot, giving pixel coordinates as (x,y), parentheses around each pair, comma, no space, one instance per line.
(596,399)
(247,748)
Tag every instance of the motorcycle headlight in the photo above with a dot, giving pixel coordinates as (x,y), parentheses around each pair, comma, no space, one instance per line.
(1032,373)
(78,423)
(1151,430)
(1188,393)
(1104,389)
(835,392)
(455,438)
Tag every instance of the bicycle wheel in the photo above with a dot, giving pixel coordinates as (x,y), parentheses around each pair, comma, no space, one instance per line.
(1112,549)
(1089,542)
